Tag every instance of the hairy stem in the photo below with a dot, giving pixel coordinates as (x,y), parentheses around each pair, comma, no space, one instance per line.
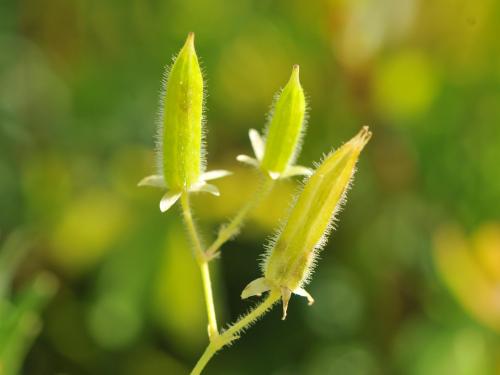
(231,334)
(201,260)
(232,228)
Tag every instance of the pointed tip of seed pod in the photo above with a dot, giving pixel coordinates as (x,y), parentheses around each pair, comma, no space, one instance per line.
(295,74)
(190,40)
(360,140)
(363,136)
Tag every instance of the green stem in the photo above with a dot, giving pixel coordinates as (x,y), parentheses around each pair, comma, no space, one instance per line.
(201,260)
(231,334)
(209,300)
(232,228)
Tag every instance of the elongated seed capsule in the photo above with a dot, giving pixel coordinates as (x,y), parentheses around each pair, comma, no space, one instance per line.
(290,260)
(182,154)
(285,128)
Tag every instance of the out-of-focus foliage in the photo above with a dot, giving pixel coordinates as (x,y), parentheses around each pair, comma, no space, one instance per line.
(472,271)
(20,321)
(409,281)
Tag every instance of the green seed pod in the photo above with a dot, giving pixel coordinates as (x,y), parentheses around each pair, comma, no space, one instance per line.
(285,128)
(182,158)
(180,151)
(290,259)
(276,154)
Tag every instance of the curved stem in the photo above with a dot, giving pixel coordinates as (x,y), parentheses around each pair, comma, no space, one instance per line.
(201,260)
(231,334)
(229,230)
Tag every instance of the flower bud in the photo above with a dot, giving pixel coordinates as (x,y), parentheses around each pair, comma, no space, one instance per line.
(290,259)
(276,154)
(285,128)
(182,118)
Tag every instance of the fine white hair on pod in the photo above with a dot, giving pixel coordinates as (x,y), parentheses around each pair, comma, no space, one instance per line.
(159,117)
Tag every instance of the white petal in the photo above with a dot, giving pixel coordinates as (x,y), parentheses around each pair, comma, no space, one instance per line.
(212,189)
(297,170)
(274,175)
(212,175)
(197,186)
(168,200)
(154,180)
(205,188)
(257,143)
(248,160)
(303,293)
(255,288)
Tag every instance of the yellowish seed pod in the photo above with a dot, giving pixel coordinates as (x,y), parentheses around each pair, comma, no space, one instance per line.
(181,153)
(182,119)
(290,259)
(286,126)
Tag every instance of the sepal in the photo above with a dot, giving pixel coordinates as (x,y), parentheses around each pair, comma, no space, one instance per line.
(255,288)
(169,200)
(257,143)
(297,170)
(155,180)
(215,174)
(248,160)
(286,295)
(205,188)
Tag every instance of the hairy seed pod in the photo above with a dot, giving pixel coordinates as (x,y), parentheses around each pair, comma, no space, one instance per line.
(290,259)
(182,118)
(286,126)
(180,150)
(312,214)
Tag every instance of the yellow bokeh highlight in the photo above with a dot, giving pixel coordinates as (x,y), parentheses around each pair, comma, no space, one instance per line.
(461,264)
(486,243)
(405,85)
(87,230)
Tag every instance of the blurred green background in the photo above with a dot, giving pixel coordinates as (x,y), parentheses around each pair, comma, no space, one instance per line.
(409,282)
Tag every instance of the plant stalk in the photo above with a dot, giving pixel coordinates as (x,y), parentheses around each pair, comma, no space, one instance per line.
(232,228)
(231,334)
(202,262)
